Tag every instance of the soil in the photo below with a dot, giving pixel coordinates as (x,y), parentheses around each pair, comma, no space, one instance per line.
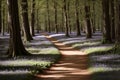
(72,66)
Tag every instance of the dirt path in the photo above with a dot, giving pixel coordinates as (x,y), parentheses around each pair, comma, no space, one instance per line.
(72,66)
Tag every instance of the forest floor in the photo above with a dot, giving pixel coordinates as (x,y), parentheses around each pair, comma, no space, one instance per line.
(85,59)
(44,54)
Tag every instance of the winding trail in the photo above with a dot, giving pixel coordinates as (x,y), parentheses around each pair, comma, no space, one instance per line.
(72,66)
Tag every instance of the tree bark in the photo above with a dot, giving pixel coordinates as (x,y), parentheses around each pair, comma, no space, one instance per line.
(88,23)
(3,20)
(16,46)
(0,15)
(66,19)
(33,18)
(107,26)
(77,18)
(48,17)
(117,29)
(26,27)
(93,19)
(112,19)
(56,24)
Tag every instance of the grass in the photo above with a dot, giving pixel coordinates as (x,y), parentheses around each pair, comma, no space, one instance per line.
(50,50)
(104,63)
(86,44)
(92,47)
(97,49)
(104,59)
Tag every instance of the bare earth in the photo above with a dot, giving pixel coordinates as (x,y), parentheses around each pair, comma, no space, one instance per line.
(72,66)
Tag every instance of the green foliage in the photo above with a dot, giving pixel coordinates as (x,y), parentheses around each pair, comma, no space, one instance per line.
(97,50)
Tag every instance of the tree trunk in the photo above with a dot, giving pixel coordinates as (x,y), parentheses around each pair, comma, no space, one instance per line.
(16,46)
(0,15)
(45,23)
(77,18)
(88,23)
(112,19)
(56,24)
(48,17)
(38,23)
(107,26)
(62,23)
(93,19)
(26,27)
(118,24)
(3,20)
(33,18)
(66,19)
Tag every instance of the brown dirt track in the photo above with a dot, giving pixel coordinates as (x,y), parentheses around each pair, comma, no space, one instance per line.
(72,66)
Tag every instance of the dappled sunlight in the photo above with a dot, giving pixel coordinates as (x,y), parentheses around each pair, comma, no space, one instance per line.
(57,35)
(73,40)
(73,53)
(43,55)
(72,65)
(105,64)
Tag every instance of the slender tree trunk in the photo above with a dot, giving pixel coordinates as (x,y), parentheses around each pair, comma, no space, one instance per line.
(62,24)
(56,24)
(46,26)
(117,29)
(38,22)
(93,19)
(68,13)
(107,26)
(3,20)
(0,15)
(16,46)
(33,18)
(88,23)
(112,19)
(66,19)
(26,27)
(48,16)
(77,18)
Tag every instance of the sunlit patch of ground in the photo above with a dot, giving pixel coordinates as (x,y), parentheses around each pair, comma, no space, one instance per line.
(72,65)
(104,63)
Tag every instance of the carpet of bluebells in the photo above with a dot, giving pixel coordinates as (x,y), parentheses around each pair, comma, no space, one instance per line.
(44,54)
(104,61)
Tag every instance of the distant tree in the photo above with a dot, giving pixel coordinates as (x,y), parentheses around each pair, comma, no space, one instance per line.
(38,18)
(0,15)
(118,23)
(112,19)
(77,17)
(88,23)
(68,14)
(26,27)
(33,18)
(93,17)
(56,23)
(48,16)
(46,27)
(3,17)
(16,46)
(66,18)
(62,23)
